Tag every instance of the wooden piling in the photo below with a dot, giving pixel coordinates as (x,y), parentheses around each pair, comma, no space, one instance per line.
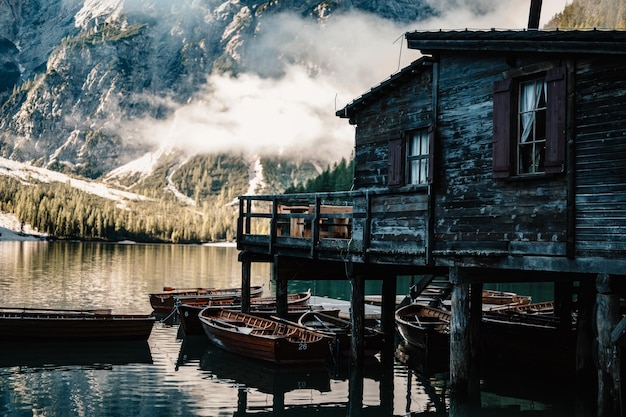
(246,267)
(607,318)
(388,307)
(586,373)
(281,288)
(473,328)
(459,333)
(388,310)
(357,318)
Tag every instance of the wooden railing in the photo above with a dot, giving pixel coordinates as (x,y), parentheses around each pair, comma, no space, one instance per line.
(357,223)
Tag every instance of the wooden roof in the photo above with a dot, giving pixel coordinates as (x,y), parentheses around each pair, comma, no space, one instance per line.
(546,41)
(375,92)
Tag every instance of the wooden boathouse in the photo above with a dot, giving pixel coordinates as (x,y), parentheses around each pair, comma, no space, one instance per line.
(499,156)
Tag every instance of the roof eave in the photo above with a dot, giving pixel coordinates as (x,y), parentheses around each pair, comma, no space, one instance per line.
(350,109)
(585,48)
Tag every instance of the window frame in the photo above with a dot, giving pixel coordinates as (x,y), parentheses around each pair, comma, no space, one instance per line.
(505,124)
(422,158)
(537,120)
(400,161)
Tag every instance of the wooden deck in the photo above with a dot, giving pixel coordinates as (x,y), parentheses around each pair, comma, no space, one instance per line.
(374,226)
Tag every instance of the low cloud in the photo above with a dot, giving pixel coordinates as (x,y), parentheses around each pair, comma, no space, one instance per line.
(301,72)
(251,114)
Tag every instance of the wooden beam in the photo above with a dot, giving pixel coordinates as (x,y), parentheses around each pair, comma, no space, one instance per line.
(245,286)
(388,308)
(357,318)
(475,319)
(281,281)
(607,318)
(459,334)
(586,373)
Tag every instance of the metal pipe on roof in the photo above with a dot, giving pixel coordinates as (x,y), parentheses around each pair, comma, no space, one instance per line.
(534,15)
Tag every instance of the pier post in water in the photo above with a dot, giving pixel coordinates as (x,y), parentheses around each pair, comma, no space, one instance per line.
(586,373)
(607,318)
(281,288)
(459,334)
(357,317)
(388,310)
(246,266)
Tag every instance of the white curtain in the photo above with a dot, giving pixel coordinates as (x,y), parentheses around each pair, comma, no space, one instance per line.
(531,94)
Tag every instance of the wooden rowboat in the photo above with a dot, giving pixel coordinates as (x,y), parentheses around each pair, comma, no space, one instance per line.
(297,304)
(32,324)
(164,302)
(500,298)
(264,339)
(545,307)
(340,330)
(538,340)
(424,327)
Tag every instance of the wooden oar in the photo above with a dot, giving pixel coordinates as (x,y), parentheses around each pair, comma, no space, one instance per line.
(244,330)
(56,310)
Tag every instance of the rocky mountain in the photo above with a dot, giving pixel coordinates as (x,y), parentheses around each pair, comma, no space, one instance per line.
(84,82)
(197,99)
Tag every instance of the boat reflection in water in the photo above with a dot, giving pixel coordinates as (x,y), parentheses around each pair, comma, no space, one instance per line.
(295,389)
(265,377)
(54,355)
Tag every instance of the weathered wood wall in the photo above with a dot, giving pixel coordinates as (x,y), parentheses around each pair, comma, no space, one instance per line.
(543,222)
(471,206)
(398,225)
(601,158)
(405,107)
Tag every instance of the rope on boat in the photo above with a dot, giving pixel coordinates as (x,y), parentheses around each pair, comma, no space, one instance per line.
(174,311)
(334,354)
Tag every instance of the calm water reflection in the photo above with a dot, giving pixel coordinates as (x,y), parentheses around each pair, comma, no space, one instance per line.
(171,375)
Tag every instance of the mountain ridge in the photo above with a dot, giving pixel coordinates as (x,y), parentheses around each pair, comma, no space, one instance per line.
(222,97)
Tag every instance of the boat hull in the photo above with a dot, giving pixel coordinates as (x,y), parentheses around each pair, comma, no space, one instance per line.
(165,302)
(266,340)
(50,326)
(340,330)
(430,331)
(262,306)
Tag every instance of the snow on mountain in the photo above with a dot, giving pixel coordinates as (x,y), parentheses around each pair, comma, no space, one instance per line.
(12,229)
(100,87)
(30,174)
(141,166)
(92,9)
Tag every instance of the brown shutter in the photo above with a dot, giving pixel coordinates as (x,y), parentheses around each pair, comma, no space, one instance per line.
(555,120)
(502,129)
(431,154)
(395,174)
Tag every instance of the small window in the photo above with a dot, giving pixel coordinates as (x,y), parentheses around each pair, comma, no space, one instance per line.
(411,158)
(417,156)
(529,125)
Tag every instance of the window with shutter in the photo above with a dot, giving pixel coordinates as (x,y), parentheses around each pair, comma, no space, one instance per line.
(411,158)
(502,129)
(556,122)
(395,176)
(529,125)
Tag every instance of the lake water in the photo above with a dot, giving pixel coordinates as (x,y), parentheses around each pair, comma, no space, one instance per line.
(173,375)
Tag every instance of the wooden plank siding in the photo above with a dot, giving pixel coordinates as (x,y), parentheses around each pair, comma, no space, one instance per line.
(601,158)
(474,213)
(398,225)
(406,107)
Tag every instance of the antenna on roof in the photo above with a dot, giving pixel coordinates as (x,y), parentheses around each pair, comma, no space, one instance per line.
(401,39)
(534,15)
